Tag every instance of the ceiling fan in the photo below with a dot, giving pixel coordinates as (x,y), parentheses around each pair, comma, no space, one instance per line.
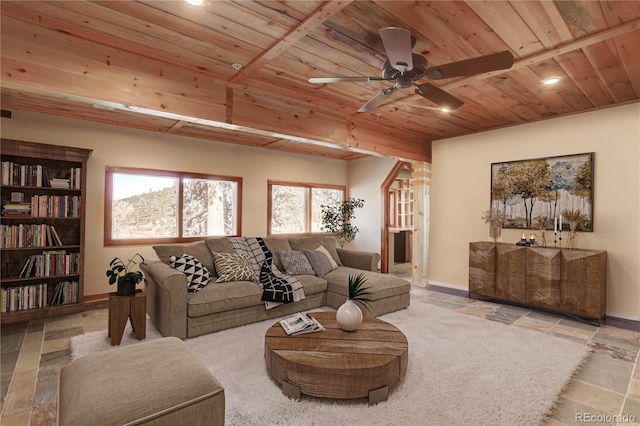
(404,68)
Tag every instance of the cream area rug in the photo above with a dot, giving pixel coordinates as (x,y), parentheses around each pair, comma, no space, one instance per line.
(463,370)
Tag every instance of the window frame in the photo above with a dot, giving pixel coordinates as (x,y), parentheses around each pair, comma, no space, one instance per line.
(309,186)
(108,203)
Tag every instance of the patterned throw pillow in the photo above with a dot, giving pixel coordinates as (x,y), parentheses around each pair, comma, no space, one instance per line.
(233,267)
(197,274)
(319,262)
(295,263)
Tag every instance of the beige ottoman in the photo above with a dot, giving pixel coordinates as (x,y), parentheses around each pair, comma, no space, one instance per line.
(159,382)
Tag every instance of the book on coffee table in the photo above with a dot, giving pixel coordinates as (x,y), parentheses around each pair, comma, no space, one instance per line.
(300,323)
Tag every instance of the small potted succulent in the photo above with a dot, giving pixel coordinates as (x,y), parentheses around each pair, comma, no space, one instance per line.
(349,315)
(122,273)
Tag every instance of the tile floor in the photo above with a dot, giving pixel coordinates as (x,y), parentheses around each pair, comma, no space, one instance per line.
(605,390)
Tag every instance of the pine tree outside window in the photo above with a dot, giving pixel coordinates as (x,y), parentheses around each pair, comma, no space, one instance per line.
(145,206)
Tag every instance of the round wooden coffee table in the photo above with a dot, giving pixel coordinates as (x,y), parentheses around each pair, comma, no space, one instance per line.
(365,363)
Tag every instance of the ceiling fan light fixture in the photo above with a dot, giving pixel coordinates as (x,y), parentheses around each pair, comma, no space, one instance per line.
(550,81)
(404,69)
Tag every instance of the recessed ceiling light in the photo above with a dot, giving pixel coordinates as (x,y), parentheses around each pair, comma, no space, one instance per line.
(195,2)
(550,81)
(444,109)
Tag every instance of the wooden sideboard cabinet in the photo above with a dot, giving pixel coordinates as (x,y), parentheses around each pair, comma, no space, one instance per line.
(571,281)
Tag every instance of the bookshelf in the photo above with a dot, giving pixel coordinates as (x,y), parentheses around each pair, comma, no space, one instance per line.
(42,229)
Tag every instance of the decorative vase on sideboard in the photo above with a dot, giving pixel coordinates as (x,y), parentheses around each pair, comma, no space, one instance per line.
(349,316)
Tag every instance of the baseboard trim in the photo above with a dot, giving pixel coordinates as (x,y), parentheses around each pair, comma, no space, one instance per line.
(96,301)
(454,291)
(625,323)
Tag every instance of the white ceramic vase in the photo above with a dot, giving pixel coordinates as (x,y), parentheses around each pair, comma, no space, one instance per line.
(349,316)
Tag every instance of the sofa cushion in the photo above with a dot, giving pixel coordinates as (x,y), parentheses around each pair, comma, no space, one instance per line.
(380,285)
(319,262)
(223,297)
(197,249)
(219,245)
(312,284)
(313,242)
(274,245)
(233,267)
(197,274)
(240,294)
(295,263)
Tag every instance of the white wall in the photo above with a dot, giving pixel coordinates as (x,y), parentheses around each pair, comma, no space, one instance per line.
(366,176)
(461,183)
(118,146)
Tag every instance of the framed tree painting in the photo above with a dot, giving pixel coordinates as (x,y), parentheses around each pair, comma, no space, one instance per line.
(540,190)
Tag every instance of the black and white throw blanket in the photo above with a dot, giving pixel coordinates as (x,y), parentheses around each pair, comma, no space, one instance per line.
(277,288)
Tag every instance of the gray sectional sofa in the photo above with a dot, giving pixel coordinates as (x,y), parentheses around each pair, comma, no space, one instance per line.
(218,306)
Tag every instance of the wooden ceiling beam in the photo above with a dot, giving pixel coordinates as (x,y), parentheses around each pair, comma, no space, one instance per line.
(552,53)
(302,29)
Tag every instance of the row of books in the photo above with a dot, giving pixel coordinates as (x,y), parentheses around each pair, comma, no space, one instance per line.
(14,174)
(44,206)
(29,235)
(38,296)
(50,263)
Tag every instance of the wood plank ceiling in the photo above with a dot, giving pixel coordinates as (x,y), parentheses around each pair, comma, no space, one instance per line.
(171,67)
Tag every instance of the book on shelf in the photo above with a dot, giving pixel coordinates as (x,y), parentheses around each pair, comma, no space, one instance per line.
(64,292)
(14,174)
(34,296)
(60,183)
(31,296)
(55,205)
(50,263)
(300,323)
(29,235)
(16,209)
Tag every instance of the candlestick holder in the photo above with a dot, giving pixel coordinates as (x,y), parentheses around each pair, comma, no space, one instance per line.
(560,238)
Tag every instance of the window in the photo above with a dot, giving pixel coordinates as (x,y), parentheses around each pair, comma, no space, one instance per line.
(294,208)
(144,206)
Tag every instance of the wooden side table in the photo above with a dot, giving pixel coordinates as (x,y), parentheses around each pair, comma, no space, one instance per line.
(123,308)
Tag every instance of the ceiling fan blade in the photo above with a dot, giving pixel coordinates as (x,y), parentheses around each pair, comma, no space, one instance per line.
(377,100)
(397,43)
(438,96)
(343,79)
(495,61)
(336,79)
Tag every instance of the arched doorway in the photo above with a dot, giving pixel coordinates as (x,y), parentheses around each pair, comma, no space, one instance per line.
(397,233)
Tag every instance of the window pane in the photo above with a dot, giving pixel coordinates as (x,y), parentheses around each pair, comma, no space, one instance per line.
(144,206)
(320,196)
(209,207)
(288,209)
